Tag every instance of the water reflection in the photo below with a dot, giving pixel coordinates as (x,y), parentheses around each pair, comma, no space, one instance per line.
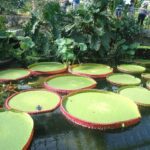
(53,131)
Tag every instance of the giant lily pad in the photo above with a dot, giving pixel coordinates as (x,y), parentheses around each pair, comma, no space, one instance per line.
(13,74)
(47,68)
(16,130)
(138,94)
(121,79)
(33,101)
(148,84)
(130,68)
(143,62)
(91,70)
(146,76)
(100,109)
(66,83)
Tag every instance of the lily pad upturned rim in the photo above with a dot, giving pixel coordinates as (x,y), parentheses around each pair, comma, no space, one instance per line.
(47,72)
(26,146)
(23,77)
(50,88)
(89,75)
(29,141)
(130,72)
(92,125)
(148,84)
(143,75)
(132,86)
(120,84)
(6,104)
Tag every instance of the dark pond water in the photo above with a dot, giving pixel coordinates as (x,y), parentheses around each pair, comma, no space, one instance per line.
(54,132)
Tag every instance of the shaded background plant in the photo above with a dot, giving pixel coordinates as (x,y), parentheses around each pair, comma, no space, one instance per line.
(105,36)
(89,34)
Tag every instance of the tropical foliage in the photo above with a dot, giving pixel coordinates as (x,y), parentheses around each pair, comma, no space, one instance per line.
(90,33)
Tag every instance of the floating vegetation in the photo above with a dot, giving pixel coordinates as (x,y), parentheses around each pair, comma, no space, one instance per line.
(66,83)
(91,70)
(122,79)
(131,68)
(33,101)
(13,74)
(16,130)
(100,109)
(138,94)
(145,76)
(47,68)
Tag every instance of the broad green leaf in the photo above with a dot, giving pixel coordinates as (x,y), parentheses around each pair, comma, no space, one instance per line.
(83,47)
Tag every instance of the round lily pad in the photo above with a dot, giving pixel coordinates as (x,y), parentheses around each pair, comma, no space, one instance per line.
(130,68)
(33,101)
(146,76)
(47,68)
(91,70)
(143,62)
(66,83)
(100,109)
(16,130)
(148,84)
(138,94)
(13,74)
(121,79)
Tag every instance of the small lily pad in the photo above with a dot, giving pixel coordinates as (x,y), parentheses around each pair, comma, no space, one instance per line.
(33,101)
(13,74)
(138,94)
(148,84)
(143,62)
(47,68)
(91,70)
(16,130)
(100,109)
(122,79)
(66,83)
(146,76)
(131,68)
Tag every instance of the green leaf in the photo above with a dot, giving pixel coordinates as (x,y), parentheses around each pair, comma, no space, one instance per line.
(69,41)
(69,27)
(134,45)
(70,56)
(106,41)
(131,52)
(125,47)
(60,41)
(27,43)
(35,26)
(83,47)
